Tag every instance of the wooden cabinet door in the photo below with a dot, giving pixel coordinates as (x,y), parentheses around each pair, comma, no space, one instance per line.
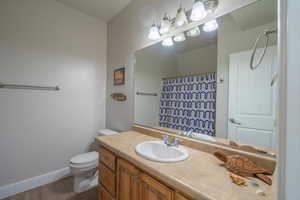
(151,189)
(128,181)
(180,197)
(107,179)
(103,194)
(108,158)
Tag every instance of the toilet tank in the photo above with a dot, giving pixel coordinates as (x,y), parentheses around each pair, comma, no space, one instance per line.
(104,132)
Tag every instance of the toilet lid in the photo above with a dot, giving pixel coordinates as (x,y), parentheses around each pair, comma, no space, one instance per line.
(85,158)
(107,132)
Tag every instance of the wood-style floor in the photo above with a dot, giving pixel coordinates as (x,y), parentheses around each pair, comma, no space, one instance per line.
(60,190)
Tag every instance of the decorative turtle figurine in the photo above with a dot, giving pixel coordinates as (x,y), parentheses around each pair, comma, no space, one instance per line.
(244,167)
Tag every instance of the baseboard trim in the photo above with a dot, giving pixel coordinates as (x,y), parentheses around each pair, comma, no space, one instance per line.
(28,184)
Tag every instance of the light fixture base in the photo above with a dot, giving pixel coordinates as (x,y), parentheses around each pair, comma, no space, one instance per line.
(211,5)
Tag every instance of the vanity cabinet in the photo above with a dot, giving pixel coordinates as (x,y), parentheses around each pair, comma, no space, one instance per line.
(121,180)
(128,187)
(103,194)
(107,175)
(151,189)
(107,158)
(179,197)
(108,179)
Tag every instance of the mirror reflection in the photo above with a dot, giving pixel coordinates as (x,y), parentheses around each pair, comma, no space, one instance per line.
(212,84)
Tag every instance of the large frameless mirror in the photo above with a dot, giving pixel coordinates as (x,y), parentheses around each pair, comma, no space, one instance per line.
(199,84)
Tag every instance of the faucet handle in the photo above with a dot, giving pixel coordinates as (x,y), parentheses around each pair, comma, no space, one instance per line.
(171,141)
(165,137)
(177,141)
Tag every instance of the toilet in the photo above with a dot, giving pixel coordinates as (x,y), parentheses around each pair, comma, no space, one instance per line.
(84,167)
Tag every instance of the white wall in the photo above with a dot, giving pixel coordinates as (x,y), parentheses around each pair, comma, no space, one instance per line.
(127,33)
(151,67)
(290,98)
(231,40)
(197,61)
(46,43)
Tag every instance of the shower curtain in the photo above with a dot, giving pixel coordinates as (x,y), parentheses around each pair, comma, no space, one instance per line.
(189,104)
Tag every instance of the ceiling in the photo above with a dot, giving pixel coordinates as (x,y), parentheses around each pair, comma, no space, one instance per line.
(257,14)
(102,9)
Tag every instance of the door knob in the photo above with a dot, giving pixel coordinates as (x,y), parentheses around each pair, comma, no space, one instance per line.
(235,121)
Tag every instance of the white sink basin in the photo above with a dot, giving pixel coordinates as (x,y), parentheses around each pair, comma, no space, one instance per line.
(160,152)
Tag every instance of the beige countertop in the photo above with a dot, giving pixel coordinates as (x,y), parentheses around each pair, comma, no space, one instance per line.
(201,176)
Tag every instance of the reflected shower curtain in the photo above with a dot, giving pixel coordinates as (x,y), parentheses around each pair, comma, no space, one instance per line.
(189,104)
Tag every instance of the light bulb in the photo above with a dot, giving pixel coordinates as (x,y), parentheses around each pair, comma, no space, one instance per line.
(165,25)
(211,5)
(198,11)
(193,32)
(180,37)
(167,42)
(210,26)
(154,33)
(181,18)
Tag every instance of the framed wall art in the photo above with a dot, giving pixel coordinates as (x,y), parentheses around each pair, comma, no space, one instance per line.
(119,76)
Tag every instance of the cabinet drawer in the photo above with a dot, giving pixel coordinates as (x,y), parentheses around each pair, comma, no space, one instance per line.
(103,194)
(153,189)
(108,158)
(179,197)
(108,179)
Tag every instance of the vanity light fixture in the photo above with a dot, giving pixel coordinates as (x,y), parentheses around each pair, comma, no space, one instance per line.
(179,38)
(154,33)
(198,11)
(201,8)
(167,42)
(181,18)
(211,5)
(210,26)
(165,25)
(194,32)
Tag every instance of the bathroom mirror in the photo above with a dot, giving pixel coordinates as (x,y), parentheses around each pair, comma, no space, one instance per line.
(203,87)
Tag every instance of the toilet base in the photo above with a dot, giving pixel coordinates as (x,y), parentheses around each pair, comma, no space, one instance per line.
(83,183)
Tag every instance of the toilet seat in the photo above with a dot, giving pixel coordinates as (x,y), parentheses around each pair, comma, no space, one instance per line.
(85,160)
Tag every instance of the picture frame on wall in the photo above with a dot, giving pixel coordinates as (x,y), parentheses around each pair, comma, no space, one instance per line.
(119,76)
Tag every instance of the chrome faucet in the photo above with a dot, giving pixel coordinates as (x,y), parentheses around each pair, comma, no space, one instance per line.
(171,141)
(186,133)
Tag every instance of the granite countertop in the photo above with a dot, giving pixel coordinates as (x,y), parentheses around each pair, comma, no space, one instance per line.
(201,176)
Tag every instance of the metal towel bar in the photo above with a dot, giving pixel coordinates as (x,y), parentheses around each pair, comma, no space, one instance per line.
(265,34)
(28,87)
(146,94)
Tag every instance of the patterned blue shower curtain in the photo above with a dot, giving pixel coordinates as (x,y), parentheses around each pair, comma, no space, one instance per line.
(189,103)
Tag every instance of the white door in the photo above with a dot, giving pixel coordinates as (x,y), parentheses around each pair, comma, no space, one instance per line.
(252,99)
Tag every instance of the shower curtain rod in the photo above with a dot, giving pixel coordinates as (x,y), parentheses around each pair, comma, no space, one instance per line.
(169,78)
